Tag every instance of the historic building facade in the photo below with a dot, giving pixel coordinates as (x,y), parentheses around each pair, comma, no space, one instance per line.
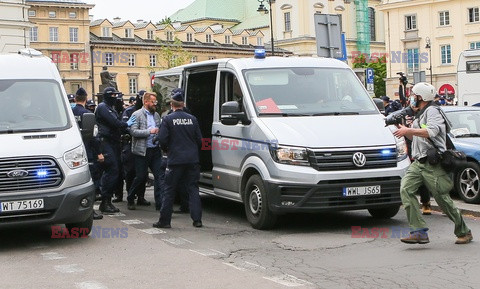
(14,25)
(429,33)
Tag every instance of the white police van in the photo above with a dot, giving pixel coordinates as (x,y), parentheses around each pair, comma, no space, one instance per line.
(294,134)
(44,174)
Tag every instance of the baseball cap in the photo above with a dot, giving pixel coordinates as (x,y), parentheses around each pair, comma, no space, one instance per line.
(71,97)
(110,90)
(132,99)
(385,98)
(90,102)
(177,94)
(141,92)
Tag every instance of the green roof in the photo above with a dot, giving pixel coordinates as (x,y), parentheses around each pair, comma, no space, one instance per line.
(240,11)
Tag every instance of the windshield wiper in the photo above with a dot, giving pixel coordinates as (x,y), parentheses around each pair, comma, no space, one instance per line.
(336,113)
(468,135)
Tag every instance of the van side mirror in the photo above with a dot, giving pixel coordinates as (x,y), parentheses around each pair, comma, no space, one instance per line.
(379,103)
(88,123)
(230,114)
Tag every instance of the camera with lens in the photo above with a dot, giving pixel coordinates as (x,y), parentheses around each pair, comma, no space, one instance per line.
(399,116)
(403,78)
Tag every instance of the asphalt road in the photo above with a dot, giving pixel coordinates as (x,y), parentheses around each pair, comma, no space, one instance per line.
(306,251)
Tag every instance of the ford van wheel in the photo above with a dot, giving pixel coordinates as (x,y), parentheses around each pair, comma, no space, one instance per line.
(256,204)
(467,183)
(81,229)
(384,213)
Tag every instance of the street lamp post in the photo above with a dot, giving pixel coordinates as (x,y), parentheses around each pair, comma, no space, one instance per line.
(262,9)
(429,47)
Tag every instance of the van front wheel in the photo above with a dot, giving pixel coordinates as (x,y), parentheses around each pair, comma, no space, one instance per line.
(256,204)
(81,229)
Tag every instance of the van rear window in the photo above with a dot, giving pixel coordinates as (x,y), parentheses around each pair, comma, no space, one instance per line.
(31,105)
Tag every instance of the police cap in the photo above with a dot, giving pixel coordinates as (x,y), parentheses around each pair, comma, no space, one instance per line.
(178,95)
(109,91)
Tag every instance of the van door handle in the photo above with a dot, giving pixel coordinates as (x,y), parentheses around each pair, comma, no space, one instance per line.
(218,134)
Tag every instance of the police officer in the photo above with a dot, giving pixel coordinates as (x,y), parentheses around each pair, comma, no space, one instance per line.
(180,136)
(109,130)
(78,111)
(428,128)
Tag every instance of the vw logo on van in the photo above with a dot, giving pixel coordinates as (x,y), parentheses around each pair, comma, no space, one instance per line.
(16,174)
(359,159)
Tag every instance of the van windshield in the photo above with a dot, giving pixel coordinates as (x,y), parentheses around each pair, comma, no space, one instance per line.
(31,106)
(305,91)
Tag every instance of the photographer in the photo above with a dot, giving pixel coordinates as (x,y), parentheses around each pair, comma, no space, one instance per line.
(427,127)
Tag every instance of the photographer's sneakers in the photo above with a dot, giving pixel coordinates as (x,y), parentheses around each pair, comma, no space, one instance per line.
(417,237)
(465,239)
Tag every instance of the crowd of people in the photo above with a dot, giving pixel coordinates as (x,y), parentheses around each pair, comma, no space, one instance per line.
(133,139)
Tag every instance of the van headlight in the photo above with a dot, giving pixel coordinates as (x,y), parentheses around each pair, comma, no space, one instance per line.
(401,148)
(290,155)
(76,158)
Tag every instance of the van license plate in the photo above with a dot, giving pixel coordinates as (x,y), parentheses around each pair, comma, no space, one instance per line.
(14,206)
(361,191)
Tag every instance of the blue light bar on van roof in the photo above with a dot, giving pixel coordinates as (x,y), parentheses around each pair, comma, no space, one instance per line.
(260,53)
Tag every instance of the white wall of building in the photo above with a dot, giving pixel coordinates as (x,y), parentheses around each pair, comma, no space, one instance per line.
(14,25)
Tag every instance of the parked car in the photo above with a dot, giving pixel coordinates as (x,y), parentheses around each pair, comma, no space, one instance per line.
(465,135)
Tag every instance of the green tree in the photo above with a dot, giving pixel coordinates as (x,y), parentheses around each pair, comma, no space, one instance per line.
(165,20)
(379,66)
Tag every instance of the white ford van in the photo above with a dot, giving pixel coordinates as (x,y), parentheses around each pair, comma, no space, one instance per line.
(44,174)
(290,135)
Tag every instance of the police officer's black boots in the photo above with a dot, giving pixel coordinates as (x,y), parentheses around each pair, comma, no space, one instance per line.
(97,216)
(107,207)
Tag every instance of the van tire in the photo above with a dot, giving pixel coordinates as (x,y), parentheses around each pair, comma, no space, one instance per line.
(256,204)
(384,213)
(82,229)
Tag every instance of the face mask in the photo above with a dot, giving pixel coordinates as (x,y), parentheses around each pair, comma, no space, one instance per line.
(413,101)
(72,105)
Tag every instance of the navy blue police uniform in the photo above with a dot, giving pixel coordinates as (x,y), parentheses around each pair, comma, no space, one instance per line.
(181,138)
(110,129)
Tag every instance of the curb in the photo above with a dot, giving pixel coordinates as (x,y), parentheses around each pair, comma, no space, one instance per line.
(464,212)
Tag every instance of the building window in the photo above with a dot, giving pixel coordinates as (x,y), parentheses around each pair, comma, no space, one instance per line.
(153,60)
(52,14)
(444,18)
(411,22)
(259,41)
(208,38)
(227,39)
(73,34)
(286,20)
(53,34)
(34,34)
(474,45)
(189,37)
(106,32)
(128,33)
(131,60)
(371,18)
(446,53)
(109,58)
(132,85)
(173,61)
(74,61)
(150,34)
(413,62)
(32,13)
(193,59)
(169,35)
(473,15)
(244,40)
(72,15)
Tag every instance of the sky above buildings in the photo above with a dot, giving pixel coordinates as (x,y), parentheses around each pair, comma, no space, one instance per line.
(134,10)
